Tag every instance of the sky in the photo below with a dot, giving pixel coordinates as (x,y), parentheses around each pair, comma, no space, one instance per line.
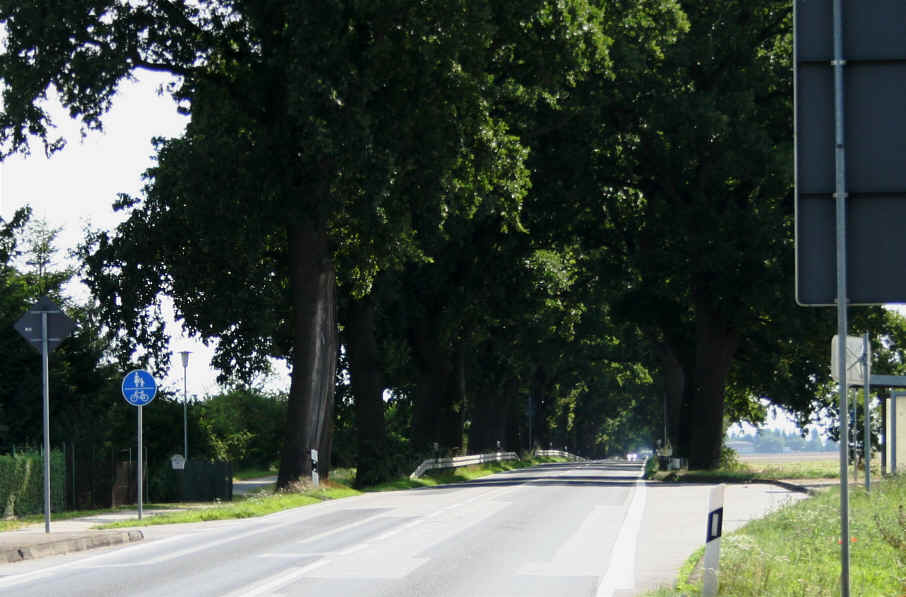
(76,187)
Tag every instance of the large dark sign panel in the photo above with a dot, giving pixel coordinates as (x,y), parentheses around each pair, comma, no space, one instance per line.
(874,86)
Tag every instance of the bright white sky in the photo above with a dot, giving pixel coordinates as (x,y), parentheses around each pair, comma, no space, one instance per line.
(77,186)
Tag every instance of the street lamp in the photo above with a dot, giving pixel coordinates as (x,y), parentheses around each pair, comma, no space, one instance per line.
(185,400)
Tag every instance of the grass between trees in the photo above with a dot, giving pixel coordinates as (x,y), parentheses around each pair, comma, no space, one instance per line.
(795,551)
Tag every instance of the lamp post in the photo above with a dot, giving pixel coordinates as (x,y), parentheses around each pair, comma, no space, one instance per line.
(185,400)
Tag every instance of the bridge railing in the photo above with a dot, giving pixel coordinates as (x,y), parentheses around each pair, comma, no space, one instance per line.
(458,461)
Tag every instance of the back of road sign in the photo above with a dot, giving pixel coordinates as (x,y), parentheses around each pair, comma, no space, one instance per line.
(874,87)
(59,326)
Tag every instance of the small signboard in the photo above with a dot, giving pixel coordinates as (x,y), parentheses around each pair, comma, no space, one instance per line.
(177,462)
(59,326)
(855,363)
(139,387)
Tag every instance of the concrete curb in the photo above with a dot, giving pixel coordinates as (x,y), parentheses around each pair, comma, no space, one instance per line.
(61,544)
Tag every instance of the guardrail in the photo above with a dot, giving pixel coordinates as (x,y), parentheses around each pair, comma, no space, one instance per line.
(433,463)
(559,454)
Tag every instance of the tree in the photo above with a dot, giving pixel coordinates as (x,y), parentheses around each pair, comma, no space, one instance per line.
(690,175)
(303,122)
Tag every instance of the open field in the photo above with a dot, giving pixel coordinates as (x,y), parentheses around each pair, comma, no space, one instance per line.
(800,465)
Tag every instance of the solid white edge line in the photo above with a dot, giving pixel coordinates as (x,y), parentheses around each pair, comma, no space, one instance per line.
(621,570)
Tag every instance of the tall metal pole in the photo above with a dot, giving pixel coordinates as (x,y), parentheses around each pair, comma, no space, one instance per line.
(867,440)
(842,294)
(185,400)
(45,374)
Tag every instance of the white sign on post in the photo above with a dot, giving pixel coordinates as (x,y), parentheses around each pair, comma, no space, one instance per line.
(855,363)
(712,542)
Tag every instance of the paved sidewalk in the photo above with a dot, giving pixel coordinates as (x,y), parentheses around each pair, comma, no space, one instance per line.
(66,536)
(78,534)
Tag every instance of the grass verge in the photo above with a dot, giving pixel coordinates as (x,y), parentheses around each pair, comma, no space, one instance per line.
(258,504)
(795,552)
(264,502)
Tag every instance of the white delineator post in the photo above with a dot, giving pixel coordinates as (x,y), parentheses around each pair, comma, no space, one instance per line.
(712,544)
(314,468)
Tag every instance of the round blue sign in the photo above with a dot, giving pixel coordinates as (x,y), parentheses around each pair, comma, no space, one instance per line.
(139,387)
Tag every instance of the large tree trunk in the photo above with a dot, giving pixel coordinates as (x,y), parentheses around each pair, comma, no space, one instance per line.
(541,435)
(314,361)
(367,391)
(437,412)
(490,410)
(715,346)
(675,392)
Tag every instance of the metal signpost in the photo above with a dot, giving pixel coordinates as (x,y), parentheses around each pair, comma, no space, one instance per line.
(185,400)
(45,326)
(847,201)
(866,446)
(139,389)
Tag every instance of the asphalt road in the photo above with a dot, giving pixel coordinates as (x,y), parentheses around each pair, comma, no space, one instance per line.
(590,529)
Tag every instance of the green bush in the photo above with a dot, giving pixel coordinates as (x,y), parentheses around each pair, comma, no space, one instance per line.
(651,467)
(22,483)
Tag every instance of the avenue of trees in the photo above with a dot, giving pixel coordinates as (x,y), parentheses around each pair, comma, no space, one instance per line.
(533,222)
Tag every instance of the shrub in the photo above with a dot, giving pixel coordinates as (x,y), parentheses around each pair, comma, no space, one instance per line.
(22,483)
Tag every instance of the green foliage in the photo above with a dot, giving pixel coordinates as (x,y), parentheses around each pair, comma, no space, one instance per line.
(242,426)
(651,467)
(729,459)
(22,483)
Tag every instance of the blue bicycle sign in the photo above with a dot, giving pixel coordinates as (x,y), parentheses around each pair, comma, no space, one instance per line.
(139,387)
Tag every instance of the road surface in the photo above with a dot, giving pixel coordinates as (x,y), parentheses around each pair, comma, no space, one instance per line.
(579,529)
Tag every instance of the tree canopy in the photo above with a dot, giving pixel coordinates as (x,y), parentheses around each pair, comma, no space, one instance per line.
(514,211)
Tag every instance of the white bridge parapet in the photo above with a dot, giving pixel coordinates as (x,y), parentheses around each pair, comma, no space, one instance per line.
(436,463)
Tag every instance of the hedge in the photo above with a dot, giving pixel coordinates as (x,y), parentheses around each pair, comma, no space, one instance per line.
(22,483)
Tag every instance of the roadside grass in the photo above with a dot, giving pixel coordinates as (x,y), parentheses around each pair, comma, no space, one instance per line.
(261,503)
(11,524)
(795,551)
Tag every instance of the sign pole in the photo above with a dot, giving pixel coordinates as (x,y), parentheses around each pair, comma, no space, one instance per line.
(45,378)
(866,450)
(139,389)
(44,326)
(842,295)
(140,459)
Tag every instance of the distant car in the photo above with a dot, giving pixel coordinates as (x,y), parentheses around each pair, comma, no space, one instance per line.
(632,456)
